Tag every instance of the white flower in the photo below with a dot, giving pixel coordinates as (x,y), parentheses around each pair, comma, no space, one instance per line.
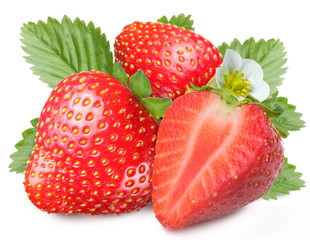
(241,77)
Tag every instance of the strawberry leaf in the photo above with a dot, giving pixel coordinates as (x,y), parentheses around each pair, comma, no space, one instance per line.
(59,49)
(288,180)
(24,148)
(269,54)
(181,21)
(289,119)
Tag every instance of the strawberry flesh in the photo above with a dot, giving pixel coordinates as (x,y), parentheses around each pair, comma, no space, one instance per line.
(211,159)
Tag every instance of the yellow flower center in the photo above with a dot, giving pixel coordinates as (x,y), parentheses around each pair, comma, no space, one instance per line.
(236,84)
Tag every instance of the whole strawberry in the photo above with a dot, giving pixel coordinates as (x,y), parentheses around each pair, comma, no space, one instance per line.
(94,149)
(211,159)
(171,56)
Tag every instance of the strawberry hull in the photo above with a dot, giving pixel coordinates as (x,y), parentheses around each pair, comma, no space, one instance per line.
(212,159)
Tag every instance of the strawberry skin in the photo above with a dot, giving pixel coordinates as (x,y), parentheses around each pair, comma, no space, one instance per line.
(171,56)
(211,159)
(94,149)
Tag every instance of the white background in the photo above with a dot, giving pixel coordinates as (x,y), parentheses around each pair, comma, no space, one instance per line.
(22,96)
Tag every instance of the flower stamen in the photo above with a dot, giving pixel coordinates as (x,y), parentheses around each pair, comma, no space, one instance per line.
(236,84)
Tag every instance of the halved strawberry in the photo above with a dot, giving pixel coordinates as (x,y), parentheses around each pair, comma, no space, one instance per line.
(170,56)
(211,159)
(94,149)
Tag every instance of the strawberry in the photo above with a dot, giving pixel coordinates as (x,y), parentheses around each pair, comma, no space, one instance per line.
(171,56)
(211,159)
(94,149)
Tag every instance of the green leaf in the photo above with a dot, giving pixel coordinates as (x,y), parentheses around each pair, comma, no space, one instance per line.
(120,74)
(140,85)
(289,119)
(59,49)
(269,54)
(24,148)
(288,180)
(180,21)
(156,106)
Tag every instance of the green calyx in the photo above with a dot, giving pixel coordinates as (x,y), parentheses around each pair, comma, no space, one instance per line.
(236,84)
(226,96)
(140,86)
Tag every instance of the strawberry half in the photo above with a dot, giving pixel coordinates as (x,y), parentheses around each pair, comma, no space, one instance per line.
(171,56)
(211,159)
(94,149)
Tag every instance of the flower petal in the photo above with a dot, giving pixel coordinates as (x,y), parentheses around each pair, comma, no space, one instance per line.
(232,61)
(252,71)
(261,90)
(219,77)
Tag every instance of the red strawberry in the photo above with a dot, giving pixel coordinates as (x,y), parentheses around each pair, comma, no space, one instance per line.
(211,159)
(171,56)
(94,149)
